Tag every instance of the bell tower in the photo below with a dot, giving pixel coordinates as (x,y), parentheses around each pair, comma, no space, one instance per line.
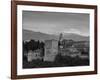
(60,41)
(60,37)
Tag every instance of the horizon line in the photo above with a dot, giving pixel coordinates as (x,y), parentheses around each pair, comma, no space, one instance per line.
(58,33)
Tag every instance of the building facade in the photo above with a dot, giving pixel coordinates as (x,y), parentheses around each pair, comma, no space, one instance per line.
(34,55)
(51,50)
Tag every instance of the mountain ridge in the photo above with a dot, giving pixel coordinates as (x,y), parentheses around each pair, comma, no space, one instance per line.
(29,34)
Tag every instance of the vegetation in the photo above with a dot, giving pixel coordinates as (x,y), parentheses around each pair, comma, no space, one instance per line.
(32,45)
(60,61)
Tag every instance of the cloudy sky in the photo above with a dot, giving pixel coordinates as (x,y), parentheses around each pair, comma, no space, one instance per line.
(56,23)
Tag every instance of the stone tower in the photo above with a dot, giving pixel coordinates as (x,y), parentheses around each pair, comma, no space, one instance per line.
(51,50)
(60,41)
(61,37)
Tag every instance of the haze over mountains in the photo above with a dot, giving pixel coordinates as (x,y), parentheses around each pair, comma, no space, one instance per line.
(28,35)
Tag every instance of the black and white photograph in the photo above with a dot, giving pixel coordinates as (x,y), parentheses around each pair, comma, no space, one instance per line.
(55,39)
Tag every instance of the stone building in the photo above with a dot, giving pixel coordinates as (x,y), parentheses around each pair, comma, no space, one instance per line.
(74,52)
(34,55)
(66,47)
(29,56)
(51,50)
(82,46)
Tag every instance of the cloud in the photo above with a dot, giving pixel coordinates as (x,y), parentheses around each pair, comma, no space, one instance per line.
(75,31)
(72,31)
(55,23)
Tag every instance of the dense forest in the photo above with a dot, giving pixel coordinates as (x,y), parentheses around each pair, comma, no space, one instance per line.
(32,45)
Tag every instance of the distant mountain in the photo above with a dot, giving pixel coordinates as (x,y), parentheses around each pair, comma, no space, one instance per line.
(28,35)
(76,37)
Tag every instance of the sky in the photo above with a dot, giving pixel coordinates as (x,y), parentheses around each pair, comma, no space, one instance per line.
(56,22)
